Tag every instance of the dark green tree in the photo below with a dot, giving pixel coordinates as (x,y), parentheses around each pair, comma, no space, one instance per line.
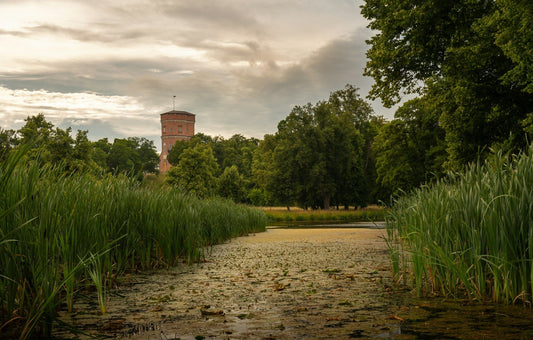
(123,158)
(196,171)
(147,154)
(410,150)
(181,145)
(318,156)
(8,141)
(231,184)
(460,54)
(513,23)
(100,152)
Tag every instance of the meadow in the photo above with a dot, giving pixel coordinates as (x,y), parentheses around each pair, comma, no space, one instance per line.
(470,235)
(278,215)
(62,236)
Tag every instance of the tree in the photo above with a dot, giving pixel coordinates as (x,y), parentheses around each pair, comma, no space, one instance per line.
(413,40)
(318,155)
(513,23)
(35,127)
(460,54)
(196,171)
(410,149)
(100,152)
(123,158)
(7,142)
(147,154)
(231,184)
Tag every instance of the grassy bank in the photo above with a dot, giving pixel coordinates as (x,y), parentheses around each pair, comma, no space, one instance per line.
(471,234)
(280,215)
(61,236)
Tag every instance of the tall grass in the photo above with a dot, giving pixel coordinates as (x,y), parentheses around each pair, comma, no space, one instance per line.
(471,234)
(61,234)
(372,213)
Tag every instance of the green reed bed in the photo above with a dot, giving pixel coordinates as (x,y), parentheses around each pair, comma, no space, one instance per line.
(471,234)
(373,213)
(62,236)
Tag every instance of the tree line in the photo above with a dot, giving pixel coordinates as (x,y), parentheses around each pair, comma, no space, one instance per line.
(321,156)
(467,66)
(54,146)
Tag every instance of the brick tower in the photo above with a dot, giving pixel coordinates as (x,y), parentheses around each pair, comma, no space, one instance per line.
(175,126)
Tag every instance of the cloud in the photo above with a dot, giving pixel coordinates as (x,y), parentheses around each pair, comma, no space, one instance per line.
(122,115)
(114,66)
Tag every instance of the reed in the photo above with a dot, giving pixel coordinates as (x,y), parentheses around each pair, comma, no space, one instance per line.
(372,213)
(470,234)
(61,235)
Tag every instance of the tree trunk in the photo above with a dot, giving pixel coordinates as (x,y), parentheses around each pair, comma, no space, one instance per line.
(326,202)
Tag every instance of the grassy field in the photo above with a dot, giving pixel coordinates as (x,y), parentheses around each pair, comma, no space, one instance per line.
(278,215)
(61,236)
(469,235)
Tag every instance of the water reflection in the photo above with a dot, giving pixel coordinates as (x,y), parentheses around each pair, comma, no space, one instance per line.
(442,319)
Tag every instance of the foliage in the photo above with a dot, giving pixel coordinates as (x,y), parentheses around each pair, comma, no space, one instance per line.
(410,150)
(231,184)
(60,235)
(55,146)
(513,21)
(470,234)
(468,56)
(7,143)
(318,156)
(236,151)
(196,171)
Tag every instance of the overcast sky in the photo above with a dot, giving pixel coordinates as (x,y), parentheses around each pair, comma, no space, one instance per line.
(112,66)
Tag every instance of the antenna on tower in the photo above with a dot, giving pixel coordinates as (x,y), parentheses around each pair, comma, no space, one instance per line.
(174,104)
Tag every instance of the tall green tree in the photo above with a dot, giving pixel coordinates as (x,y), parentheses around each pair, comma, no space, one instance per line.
(459,53)
(318,155)
(231,184)
(147,154)
(196,171)
(513,23)
(8,141)
(410,149)
(123,157)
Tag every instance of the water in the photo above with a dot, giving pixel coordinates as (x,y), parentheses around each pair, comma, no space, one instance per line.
(314,224)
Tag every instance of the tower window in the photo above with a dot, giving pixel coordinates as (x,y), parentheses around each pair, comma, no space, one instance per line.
(164,129)
(179,129)
(171,129)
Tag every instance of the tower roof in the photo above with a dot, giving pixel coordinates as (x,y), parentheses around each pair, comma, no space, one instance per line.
(178,112)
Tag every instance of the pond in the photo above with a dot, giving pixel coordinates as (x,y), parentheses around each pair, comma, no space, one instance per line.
(327,224)
(289,283)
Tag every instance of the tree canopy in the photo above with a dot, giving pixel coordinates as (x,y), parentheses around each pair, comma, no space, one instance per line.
(133,156)
(472,57)
(318,155)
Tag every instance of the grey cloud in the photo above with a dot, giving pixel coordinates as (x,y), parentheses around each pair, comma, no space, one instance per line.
(209,15)
(98,129)
(108,33)
(250,98)
(111,76)
(257,98)
(17,33)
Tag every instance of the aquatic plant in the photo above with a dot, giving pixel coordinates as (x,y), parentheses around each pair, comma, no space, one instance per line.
(469,234)
(62,234)
(373,213)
